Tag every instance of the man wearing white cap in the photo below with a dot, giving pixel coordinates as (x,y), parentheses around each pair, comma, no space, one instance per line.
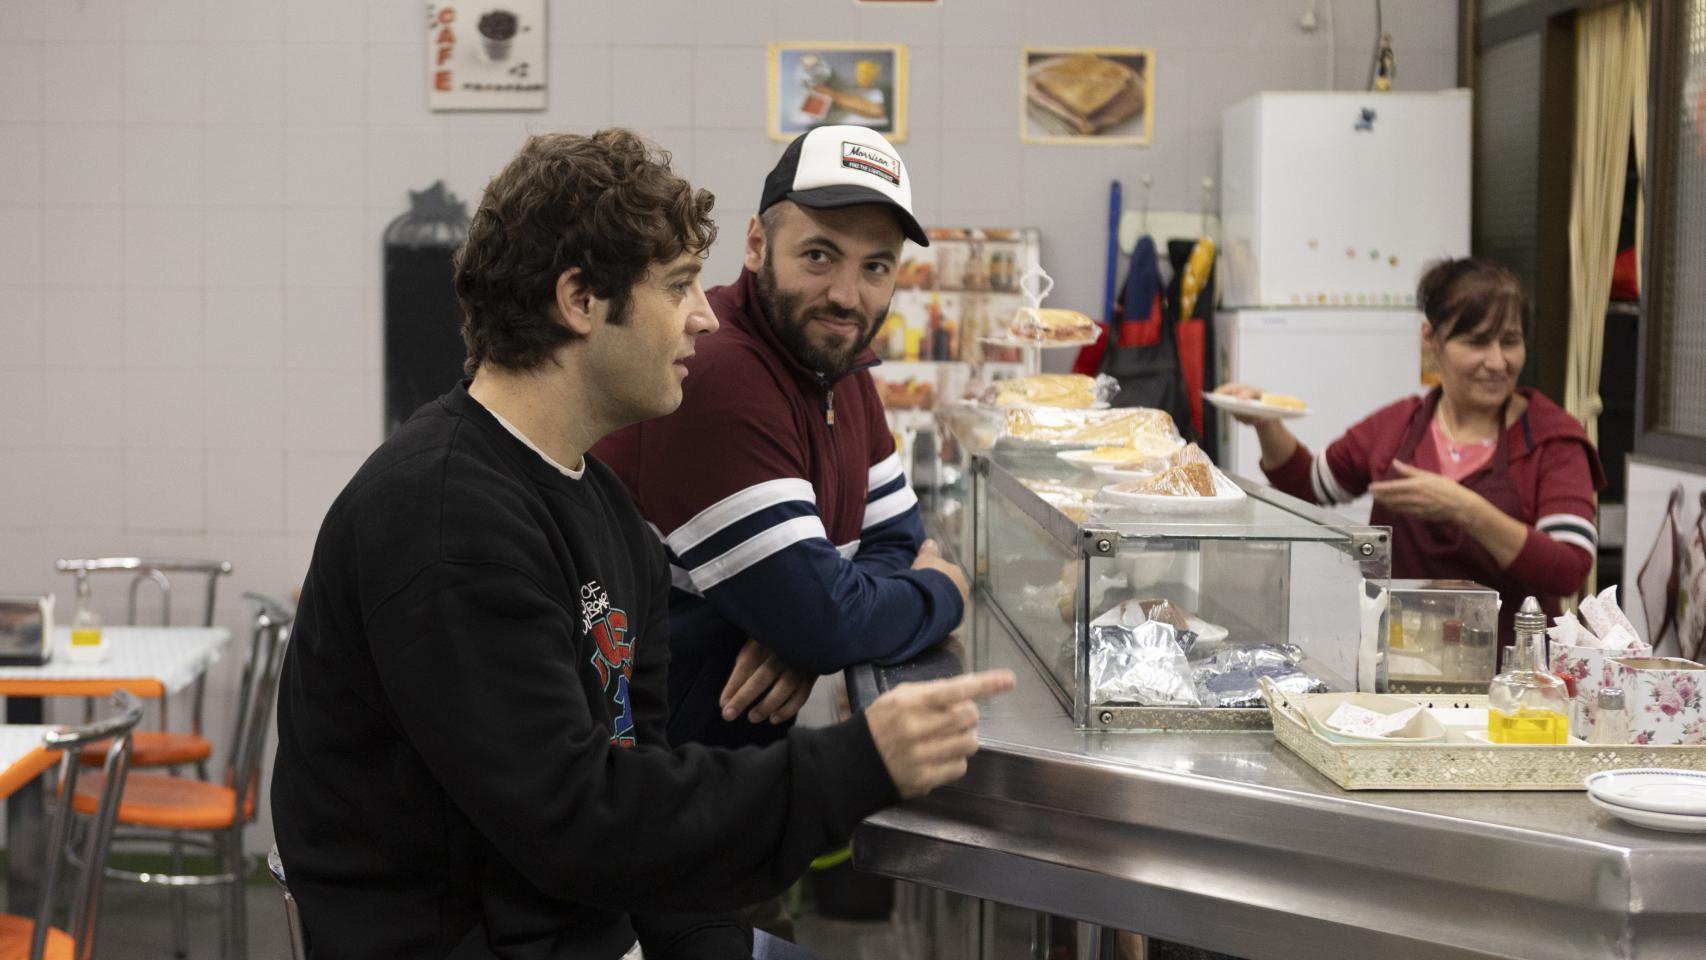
(795,543)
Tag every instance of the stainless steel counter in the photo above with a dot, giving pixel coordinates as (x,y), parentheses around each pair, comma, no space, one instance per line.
(1228,841)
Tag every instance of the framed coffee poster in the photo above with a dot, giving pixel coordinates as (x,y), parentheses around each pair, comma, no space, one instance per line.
(1094,95)
(825,82)
(486,55)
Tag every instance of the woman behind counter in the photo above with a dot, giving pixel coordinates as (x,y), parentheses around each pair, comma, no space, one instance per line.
(1479,479)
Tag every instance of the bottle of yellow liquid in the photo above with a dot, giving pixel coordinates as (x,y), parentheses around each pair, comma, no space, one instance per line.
(87,644)
(1528,704)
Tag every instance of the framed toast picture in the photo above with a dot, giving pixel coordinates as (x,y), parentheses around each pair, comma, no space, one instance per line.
(826,82)
(1087,95)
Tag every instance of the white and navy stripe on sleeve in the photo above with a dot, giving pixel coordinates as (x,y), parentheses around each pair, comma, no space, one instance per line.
(888,495)
(743,529)
(1571,529)
(1328,490)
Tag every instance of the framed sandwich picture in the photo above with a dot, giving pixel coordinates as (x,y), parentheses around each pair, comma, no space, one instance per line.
(816,83)
(1094,95)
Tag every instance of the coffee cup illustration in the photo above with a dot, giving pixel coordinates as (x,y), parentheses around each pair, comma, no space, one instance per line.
(497,30)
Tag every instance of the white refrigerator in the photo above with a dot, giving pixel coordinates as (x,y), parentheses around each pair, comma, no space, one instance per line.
(1332,205)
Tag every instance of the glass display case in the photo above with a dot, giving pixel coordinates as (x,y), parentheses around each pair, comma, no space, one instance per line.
(1258,584)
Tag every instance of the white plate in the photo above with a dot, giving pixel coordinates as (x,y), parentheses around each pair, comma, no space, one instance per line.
(1674,822)
(1252,408)
(1090,460)
(1661,791)
(1227,496)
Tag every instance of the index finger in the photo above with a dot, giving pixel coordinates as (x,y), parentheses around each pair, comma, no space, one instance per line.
(968,686)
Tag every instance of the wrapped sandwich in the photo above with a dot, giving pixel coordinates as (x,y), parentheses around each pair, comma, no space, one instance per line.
(1046,326)
(1189,473)
(1070,390)
(1091,428)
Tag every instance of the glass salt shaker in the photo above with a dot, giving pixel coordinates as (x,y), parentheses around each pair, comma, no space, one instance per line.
(1611,721)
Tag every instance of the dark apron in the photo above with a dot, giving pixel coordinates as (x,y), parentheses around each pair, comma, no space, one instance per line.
(1437,551)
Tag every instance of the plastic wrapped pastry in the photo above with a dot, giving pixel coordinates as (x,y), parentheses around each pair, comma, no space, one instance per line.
(1097,428)
(1068,500)
(1188,474)
(1067,390)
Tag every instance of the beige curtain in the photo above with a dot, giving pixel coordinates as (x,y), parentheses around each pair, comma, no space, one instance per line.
(1611,92)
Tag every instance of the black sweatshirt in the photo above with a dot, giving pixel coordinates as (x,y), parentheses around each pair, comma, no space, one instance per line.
(471,756)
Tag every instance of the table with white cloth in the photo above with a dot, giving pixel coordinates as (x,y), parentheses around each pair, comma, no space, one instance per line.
(149,662)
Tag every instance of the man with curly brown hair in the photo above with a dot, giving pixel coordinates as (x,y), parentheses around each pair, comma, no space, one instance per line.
(471,756)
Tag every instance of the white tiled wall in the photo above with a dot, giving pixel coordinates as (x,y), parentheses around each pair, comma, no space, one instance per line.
(192,194)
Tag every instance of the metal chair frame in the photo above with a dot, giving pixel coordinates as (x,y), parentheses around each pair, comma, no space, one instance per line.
(85,890)
(268,642)
(275,866)
(156,570)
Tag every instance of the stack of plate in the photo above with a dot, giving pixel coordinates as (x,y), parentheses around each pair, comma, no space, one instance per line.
(1661,799)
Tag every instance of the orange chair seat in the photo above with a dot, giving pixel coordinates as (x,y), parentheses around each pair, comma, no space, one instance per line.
(155,748)
(15,934)
(168,803)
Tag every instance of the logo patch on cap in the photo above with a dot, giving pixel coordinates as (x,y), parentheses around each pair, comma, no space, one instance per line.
(857,156)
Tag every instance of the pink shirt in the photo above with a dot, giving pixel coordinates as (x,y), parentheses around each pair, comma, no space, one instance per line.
(1459,460)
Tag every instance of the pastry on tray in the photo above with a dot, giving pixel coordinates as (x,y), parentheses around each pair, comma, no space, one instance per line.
(1188,474)
(1069,390)
(1057,326)
(1126,426)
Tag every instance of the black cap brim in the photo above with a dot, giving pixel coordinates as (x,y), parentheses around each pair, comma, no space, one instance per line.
(843,195)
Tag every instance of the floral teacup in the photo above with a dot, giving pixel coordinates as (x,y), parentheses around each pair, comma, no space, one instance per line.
(1591,668)
(1663,695)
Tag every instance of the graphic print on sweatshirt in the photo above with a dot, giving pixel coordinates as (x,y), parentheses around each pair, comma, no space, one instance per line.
(612,656)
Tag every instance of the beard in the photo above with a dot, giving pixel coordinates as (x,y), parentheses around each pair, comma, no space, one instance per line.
(789,320)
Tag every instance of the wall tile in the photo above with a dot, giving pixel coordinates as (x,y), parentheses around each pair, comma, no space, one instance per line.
(916,26)
(579,99)
(244,82)
(324,21)
(83,82)
(396,84)
(165,83)
(21,78)
(22,392)
(82,407)
(163,490)
(83,163)
(245,491)
(245,408)
(325,328)
(585,22)
(20,324)
(651,86)
(82,244)
(400,159)
(325,246)
(86,21)
(816,21)
(20,243)
(728,84)
(83,325)
(162,327)
(475,159)
(924,106)
(163,408)
(986,23)
(163,164)
(325,82)
(245,164)
(23,21)
(653,21)
(83,491)
(979,89)
(326,411)
(20,163)
(394,21)
(733,21)
(253,20)
(163,246)
(244,328)
(245,246)
(323,165)
(165,21)
(736,162)
(22,505)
